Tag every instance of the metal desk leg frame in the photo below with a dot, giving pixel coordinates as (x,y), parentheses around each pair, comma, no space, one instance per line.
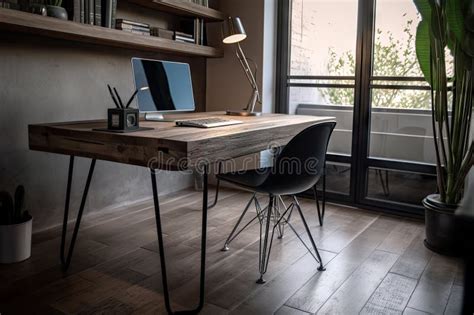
(162,250)
(66,261)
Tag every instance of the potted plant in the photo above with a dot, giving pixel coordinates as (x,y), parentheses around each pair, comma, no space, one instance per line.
(447,24)
(54,9)
(15,227)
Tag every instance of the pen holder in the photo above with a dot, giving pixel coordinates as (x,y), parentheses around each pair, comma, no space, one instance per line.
(123,119)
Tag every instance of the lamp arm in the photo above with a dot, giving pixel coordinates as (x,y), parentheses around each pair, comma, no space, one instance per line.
(248,71)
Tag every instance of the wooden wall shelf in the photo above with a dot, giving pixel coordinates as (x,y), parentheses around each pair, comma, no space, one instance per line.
(17,21)
(183,8)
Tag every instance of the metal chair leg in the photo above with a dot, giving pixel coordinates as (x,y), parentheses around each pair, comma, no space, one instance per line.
(231,235)
(322,209)
(164,277)
(281,225)
(323,203)
(316,199)
(321,266)
(265,245)
(66,261)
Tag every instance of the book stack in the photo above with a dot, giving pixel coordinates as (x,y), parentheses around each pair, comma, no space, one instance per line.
(192,31)
(133,27)
(94,12)
(184,37)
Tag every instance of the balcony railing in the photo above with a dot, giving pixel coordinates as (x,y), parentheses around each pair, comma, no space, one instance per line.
(395,133)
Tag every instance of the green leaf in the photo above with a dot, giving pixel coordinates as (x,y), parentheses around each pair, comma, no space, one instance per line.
(455,19)
(424,7)
(423,48)
(438,24)
(455,22)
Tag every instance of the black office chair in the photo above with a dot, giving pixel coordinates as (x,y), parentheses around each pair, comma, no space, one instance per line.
(298,167)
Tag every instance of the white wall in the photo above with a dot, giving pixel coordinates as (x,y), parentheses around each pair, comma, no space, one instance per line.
(227,86)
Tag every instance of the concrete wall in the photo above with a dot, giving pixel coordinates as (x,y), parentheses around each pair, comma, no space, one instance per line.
(49,81)
(227,86)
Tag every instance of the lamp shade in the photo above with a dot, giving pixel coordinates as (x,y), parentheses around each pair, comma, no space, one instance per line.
(233,31)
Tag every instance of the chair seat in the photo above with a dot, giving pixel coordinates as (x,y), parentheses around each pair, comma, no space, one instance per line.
(256,180)
(248,178)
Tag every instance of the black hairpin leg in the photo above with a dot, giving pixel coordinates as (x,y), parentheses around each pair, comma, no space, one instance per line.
(164,276)
(66,261)
(216,195)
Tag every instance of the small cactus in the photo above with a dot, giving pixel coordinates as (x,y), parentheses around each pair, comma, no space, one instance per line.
(13,212)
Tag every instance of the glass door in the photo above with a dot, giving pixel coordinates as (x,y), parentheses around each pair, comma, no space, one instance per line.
(400,145)
(356,60)
(321,78)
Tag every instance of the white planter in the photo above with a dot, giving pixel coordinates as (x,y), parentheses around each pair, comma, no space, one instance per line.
(15,242)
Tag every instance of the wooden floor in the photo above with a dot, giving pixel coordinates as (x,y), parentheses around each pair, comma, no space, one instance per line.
(375,265)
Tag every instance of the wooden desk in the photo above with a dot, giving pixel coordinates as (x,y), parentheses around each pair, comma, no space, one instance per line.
(165,147)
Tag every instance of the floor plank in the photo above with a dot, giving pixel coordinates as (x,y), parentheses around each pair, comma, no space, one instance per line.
(413,261)
(432,293)
(455,301)
(391,296)
(316,291)
(286,310)
(351,297)
(274,293)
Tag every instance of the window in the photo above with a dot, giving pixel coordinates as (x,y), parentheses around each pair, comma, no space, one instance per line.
(355,60)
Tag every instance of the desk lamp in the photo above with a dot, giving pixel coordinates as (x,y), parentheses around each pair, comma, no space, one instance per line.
(233,32)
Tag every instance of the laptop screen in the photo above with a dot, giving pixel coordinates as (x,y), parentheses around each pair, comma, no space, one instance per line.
(169,85)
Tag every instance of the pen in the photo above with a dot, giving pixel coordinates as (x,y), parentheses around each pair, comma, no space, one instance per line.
(118,97)
(113,97)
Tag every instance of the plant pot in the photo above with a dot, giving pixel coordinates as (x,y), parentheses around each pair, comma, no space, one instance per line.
(15,242)
(440,227)
(37,8)
(56,12)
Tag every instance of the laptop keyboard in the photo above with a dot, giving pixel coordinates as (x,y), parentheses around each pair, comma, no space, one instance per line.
(207,122)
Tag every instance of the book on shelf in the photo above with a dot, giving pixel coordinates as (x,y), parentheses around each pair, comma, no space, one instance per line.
(184,39)
(126,27)
(97,12)
(91,15)
(124,21)
(109,10)
(132,27)
(183,34)
(139,32)
(196,27)
(161,32)
(94,12)
(204,3)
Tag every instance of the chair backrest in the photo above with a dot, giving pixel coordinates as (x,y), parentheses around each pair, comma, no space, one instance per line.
(301,162)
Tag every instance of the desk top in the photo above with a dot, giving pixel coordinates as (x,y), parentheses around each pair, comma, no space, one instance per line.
(168,146)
